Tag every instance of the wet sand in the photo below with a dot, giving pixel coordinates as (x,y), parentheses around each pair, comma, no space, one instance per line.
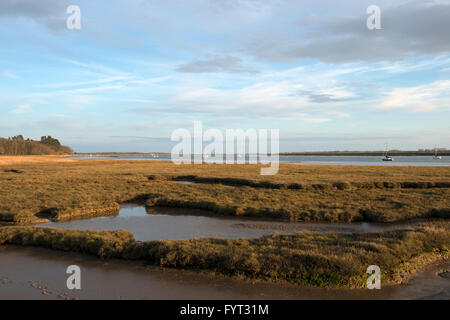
(36,273)
(182,224)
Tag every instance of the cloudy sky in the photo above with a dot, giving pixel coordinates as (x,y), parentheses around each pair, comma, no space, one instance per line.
(139,69)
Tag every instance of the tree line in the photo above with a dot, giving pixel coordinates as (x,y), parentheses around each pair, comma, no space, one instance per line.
(18,145)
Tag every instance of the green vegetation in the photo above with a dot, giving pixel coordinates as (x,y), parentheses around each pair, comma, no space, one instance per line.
(304,258)
(71,189)
(19,146)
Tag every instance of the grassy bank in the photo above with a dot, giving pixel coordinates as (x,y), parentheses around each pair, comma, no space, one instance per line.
(304,258)
(307,205)
(35,188)
(342,185)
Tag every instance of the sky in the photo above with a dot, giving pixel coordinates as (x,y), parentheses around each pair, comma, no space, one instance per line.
(137,70)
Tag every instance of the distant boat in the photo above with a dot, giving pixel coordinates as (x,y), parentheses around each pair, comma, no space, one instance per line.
(436,157)
(387,157)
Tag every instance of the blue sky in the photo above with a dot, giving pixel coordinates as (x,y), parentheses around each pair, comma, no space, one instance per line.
(137,70)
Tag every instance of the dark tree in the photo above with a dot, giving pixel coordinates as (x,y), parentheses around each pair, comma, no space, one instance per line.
(52,142)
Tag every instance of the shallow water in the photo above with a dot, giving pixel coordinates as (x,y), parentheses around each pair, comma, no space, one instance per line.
(330,160)
(36,273)
(182,224)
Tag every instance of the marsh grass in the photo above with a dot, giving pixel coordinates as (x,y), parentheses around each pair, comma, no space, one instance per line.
(53,188)
(378,205)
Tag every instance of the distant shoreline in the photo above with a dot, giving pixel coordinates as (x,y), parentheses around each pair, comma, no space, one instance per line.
(318,153)
(365,153)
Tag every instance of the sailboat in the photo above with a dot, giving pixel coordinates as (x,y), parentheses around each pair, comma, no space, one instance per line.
(386,156)
(436,157)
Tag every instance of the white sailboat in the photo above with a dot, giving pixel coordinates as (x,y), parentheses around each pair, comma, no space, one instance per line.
(386,156)
(436,157)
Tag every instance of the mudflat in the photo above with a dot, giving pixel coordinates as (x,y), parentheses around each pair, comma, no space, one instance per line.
(34,273)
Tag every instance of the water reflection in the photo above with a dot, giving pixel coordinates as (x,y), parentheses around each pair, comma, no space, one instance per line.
(182,224)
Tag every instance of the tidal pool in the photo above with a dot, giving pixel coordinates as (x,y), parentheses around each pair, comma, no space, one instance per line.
(181,224)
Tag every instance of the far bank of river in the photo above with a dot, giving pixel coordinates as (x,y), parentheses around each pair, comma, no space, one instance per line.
(373,160)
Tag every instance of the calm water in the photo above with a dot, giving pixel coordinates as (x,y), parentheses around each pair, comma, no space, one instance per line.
(182,224)
(330,160)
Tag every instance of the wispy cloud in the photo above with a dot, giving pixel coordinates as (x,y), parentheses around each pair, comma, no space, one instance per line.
(22,109)
(11,74)
(315,120)
(98,67)
(60,123)
(27,106)
(216,64)
(84,83)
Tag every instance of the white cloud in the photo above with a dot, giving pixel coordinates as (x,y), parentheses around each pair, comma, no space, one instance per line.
(425,98)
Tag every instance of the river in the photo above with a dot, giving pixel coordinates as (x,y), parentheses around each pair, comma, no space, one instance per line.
(422,161)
